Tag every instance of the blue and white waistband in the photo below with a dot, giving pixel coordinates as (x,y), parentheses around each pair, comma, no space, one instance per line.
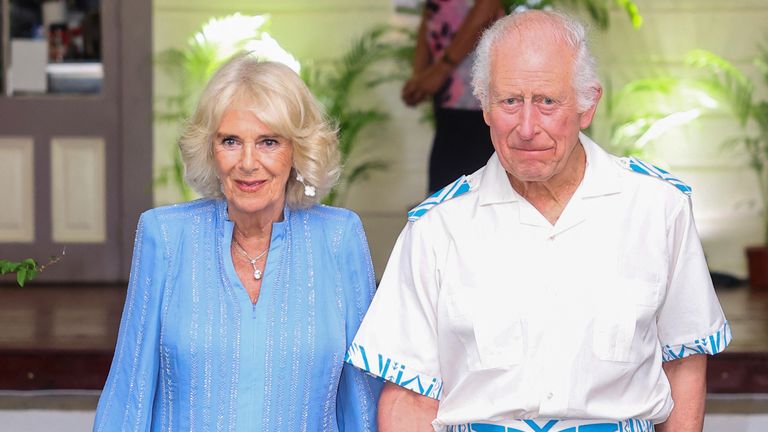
(544,425)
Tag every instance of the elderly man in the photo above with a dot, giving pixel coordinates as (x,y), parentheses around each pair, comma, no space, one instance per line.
(559,288)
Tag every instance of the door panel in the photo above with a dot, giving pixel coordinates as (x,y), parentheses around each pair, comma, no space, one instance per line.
(90,181)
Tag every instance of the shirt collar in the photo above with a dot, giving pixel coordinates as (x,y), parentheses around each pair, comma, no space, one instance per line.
(495,186)
(600,177)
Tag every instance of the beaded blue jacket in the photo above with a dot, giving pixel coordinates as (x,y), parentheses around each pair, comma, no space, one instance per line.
(193,353)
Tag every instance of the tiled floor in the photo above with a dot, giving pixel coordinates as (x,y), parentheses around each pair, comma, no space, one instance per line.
(79,317)
(75,412)
(54,322)
(747,313)
(63,337)
(60,317)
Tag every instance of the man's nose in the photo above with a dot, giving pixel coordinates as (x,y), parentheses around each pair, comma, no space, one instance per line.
(527,128)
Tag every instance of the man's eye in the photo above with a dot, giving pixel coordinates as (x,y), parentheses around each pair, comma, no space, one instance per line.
(548,101)
(511,101)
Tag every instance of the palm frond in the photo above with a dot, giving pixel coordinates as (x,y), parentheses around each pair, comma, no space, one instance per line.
(363,170)
(725,81)
(350,125)
(633,12)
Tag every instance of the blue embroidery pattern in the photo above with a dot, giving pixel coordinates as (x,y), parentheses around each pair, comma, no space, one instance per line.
(458,187)
(712,344)
(641,167)
(390,370)
(632,425)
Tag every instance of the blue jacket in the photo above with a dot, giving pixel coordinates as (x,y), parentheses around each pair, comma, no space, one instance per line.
(194,353)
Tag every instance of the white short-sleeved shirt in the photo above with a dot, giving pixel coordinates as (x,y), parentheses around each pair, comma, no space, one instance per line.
(500,315)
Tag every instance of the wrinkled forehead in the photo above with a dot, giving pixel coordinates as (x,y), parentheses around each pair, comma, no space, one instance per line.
(524,60)
(535,36)
(272,110)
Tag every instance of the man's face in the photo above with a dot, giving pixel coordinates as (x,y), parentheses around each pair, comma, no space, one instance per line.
(532,109)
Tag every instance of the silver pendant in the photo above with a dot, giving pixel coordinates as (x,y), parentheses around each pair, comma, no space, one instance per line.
(257,274)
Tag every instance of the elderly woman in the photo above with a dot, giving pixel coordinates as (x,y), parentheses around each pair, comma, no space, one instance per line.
(241,305)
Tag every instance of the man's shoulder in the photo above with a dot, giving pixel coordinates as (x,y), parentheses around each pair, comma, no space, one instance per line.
(455,192)
(652,175)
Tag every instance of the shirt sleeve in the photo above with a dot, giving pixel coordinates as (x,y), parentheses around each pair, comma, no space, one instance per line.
(358,393)
(691,320)
(397,340)
(126,401)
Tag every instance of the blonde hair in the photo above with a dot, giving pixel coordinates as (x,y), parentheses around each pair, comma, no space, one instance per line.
(281,100)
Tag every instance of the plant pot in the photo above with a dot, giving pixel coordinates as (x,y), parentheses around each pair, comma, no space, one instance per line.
(757,264)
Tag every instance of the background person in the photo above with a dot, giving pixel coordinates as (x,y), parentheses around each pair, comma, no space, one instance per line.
(559,288)
(241,305)
(442,66)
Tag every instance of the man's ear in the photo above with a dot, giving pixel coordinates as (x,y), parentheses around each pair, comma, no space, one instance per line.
(485,116)
(586,117)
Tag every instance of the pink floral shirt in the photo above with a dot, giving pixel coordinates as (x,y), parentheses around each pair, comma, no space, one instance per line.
(444,17)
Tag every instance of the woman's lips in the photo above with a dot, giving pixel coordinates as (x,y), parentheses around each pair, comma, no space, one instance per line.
(249,186)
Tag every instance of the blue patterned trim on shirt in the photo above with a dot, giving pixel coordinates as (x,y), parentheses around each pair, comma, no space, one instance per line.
(632,425)
(458,187)
(712,344)
(641,167)
(393,371)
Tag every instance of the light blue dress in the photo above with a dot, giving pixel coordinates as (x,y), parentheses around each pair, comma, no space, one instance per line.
(193,352)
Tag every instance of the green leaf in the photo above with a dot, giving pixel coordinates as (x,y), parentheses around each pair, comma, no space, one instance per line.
(7,266)
(632,11)
(21,276)
(31,274)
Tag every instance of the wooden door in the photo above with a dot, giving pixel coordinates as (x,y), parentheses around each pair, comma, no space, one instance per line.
(76,169)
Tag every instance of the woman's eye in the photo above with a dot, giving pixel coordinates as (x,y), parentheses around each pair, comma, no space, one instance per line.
(269,144)
(229,142)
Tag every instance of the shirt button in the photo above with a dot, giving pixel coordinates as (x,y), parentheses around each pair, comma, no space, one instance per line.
(550,395)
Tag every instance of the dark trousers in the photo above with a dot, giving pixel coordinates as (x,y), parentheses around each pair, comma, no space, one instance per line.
(462,145)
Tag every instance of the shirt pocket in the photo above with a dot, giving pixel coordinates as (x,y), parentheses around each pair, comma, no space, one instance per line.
(492,339)
(625,307)
(499,338)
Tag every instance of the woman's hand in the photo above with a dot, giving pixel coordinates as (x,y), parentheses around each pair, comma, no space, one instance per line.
(425,84)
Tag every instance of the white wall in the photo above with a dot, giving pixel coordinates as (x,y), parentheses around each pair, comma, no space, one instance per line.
(725,195)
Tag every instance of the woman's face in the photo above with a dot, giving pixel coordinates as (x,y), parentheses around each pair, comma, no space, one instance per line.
(253,165)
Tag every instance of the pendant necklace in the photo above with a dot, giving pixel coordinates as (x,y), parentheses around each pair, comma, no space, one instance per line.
(256,272)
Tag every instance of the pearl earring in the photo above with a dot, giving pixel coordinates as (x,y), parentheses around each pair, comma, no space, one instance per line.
(309,190)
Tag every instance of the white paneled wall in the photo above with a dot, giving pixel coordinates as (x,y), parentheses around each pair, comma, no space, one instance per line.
(78,185)
(726,204)
(17,222)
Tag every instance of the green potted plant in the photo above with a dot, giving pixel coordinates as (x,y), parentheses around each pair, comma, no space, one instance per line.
(727,83)
(335,83)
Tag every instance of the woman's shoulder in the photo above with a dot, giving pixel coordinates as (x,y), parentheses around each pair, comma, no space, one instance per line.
(181,212)
(330,216)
